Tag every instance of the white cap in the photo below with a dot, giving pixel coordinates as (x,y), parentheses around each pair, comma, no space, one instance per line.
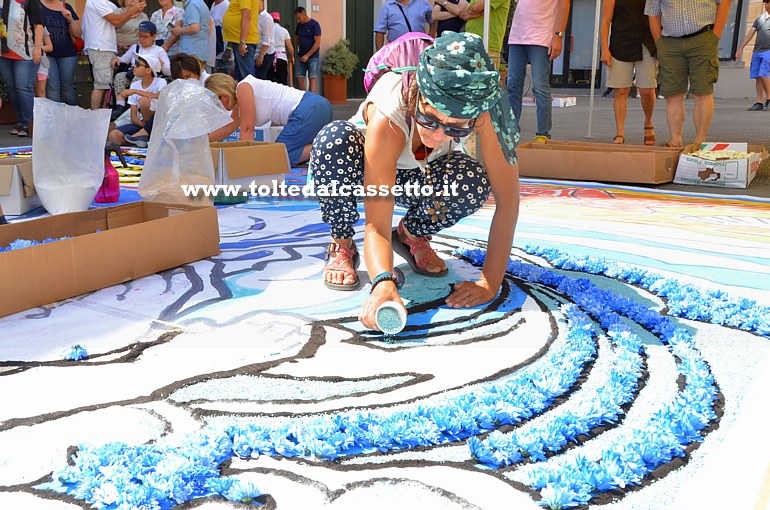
(152,61)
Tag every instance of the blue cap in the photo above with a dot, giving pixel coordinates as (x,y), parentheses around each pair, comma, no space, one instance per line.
(147,26)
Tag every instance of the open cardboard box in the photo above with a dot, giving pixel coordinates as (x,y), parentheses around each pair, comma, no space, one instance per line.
(729,173)
(241,163)
(603,162)
(106,247)
(17,188)
(261,134)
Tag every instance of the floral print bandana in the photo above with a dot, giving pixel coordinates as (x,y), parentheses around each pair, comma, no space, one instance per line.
(458,78)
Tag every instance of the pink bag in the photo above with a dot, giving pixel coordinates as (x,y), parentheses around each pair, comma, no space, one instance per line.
(400,56)
(110,190)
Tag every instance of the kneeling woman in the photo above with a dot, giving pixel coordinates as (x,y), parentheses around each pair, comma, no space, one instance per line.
(411,125)
(259,102)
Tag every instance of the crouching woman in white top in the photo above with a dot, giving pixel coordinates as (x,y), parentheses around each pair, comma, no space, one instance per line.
(302,114)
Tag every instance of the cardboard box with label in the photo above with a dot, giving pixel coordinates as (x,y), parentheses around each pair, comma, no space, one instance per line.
(104,247)
(17,188)
(261,134)
(245,162)
(719,172)
(602,162)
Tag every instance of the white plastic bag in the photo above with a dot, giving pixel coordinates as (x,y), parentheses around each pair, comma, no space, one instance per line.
(68,154)
(179,152)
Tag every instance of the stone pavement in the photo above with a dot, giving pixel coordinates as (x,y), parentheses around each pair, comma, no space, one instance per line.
(731,123)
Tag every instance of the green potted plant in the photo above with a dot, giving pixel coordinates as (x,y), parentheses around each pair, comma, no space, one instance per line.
(338,67)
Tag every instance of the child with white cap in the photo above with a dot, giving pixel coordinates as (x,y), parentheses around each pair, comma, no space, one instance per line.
(141,98)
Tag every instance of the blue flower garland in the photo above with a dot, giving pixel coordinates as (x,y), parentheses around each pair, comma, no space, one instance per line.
(563,427)
(574,482)
(159,476)
(141,473)
(683,299)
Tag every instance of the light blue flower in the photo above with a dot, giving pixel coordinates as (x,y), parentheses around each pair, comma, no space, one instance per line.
(244,492)
(557,497)
(75,353)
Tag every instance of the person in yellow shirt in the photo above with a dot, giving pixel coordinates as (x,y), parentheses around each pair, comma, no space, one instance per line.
(240,30)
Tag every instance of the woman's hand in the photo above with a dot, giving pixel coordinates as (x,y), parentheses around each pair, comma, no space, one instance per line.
(385,291)
(468,294)
(37,54)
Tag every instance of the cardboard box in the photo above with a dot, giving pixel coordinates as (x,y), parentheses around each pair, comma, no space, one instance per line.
(261,134)
(17,188)
(107,246)
(726,173)
(245,162)
(603,162)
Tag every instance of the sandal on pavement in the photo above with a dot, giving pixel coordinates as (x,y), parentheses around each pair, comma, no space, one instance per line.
(619,137)
(346,261)
(408,247)
(649,139)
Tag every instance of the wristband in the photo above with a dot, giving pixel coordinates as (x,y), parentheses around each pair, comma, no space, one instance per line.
(382,277)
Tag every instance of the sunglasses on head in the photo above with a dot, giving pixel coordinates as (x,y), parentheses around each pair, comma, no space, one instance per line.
(432,124)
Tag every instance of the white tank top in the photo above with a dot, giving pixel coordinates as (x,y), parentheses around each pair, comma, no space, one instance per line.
(274,102)
(387,97)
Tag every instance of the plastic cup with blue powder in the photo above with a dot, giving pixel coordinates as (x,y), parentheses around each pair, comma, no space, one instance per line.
(391,317)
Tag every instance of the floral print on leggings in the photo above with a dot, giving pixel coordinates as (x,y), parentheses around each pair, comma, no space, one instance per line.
(338,155)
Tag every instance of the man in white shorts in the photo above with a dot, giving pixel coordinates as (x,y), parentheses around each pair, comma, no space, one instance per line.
(627,51)
(101,41)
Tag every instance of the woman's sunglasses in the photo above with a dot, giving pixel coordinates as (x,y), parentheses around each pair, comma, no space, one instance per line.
(432,124)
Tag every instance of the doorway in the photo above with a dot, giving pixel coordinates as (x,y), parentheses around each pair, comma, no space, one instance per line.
(573,67)
(286,9)
(360,33)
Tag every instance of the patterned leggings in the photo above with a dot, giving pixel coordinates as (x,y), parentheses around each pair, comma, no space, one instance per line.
(338,155)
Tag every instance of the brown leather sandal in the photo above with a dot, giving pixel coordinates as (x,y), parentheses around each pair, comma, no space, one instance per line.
(619,137)
(408,247)
(649,139)
(346,261)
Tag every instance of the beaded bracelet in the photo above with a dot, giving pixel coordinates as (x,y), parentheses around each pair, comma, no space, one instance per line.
(382,277)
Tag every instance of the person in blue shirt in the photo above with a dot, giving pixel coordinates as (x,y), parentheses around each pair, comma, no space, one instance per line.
(398,17)
(307,37)
(194,32)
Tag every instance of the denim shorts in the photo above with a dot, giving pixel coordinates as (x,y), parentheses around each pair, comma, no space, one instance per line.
(310,67)
(760,65)
(311,114)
